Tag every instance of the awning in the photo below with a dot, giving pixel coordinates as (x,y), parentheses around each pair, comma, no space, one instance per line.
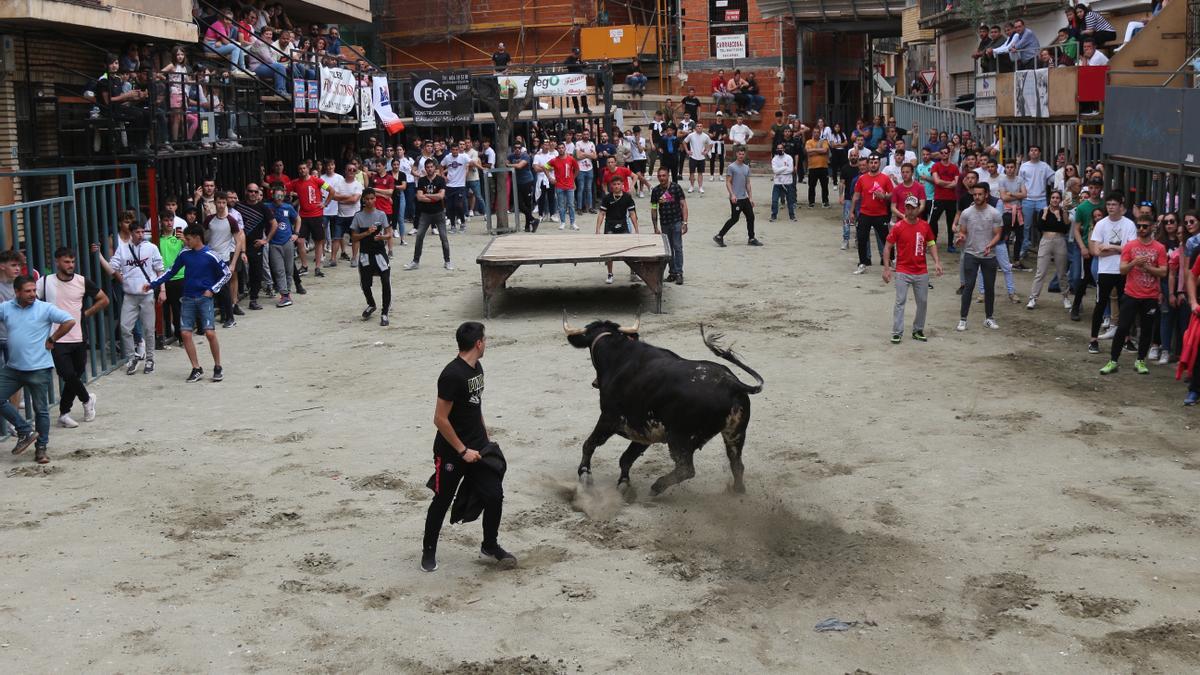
(820,11)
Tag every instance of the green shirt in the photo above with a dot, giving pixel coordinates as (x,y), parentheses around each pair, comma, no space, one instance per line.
(1083,216)
(170,247)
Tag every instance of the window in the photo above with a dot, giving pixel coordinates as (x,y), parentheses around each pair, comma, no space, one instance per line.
(726,17)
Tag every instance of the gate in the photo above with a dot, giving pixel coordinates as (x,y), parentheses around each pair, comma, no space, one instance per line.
(84,209)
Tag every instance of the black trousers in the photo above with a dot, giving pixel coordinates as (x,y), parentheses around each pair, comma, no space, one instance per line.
(736,209)
(971,266)
(1085,280)
(716,162)
(365,274)
(940,206)
(525,201)
(818,176)
(70,360)
(1107,283)
(254,255)
(862,233)
(172,306)
(671,162)
(446,477)
(1145,312)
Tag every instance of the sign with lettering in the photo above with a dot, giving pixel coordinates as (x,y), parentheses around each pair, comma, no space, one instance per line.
(731,46)
(338,94)
(442,98)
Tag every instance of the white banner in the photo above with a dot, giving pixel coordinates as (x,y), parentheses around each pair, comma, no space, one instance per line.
(1031,91)
(337,91)
(985,96)
(366,111)
(382,102)
(731,46)
(565,84)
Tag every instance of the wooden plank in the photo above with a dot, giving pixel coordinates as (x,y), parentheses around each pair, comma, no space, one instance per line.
(558,249)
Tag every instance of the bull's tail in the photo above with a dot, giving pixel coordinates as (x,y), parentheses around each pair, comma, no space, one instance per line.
(713,344)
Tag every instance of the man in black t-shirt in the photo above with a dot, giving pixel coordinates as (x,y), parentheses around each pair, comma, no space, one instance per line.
(617,214)
(573,65)
(691,104)
(848,176)
(431,211)
(501,58)
(257,220)
(462,449)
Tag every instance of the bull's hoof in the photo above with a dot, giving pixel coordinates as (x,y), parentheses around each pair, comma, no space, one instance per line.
(585,476)
(737,488)
(628,492)
(657,488)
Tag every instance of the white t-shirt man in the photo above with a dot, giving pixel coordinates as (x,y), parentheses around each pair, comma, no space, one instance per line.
(177,223)
(910,157)
(740,134)
(1116,233)
(699,145)
(637,148)
(456,169)
(1036,175)
(585,163)
(546,176)
(472,172)
(1098,59)
(350,189)
(782,168)
(333,181)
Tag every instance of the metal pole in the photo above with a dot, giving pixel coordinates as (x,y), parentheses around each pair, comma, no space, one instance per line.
(800,72)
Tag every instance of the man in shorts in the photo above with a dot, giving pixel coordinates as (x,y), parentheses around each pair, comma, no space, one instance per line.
(371,231)
(307,189)
(617,214)
(348,194)
(699,147)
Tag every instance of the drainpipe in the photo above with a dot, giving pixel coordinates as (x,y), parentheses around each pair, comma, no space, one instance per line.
(800,72)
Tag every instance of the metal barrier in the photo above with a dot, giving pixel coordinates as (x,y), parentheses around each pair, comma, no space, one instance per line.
(1049,136)
(930,116)
(1169,189)
(86,210)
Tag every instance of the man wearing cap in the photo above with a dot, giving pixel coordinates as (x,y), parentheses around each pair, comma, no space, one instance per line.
(911,239)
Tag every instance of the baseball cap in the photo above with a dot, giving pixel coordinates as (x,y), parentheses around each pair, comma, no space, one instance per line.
(720,114)
(1085,190)
(912,201)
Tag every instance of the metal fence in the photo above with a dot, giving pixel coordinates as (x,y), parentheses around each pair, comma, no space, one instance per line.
(1169,189)
(85,209)
(912,114)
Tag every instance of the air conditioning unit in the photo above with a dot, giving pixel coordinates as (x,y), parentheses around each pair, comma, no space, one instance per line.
(8,54)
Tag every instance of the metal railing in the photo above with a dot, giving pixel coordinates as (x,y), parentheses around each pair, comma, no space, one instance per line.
(912,114)
(86,210)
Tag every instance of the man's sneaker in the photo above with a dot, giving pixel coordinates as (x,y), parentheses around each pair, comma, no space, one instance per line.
(429,561)
(237,310)
(562,226)
(691,190)
(1106,323)
(383,320)
(319,273)
(670,277)
(448,265)
(574,227)
(720,240)
(860,269)
(411,265)
(354,262)
(366,313)
(254,305)
(919,336)
(140,349)
(609,280)
(24,440)
(754,242)
(771,219)
(1094,347)
(89,408)
(218,374)
(1031,304)
(1074,314)
(1108,334)
(131,366)
(1066,302)
(1130,346)
(149,367)
(701,189)
(506,559)
(285,301)
(304,270)
(1109,368)
(1192,398)
(962,325)
(991,323)
(1015,299)
(679,280)
(40,456)
(66,422)
(845,244)
(300,290)
(197,373)
(344,255)
(1140,367)
(229,323)
(895,338)
(1164,357)
(1153,355)
(331,263)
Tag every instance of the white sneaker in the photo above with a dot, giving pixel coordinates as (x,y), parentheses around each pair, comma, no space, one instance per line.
(962,325)
(470,214)
(860,269)
(1108,334)
(412,231)
(701,189)
(554,219)
(691,190)
(1164,357)
(575,227)
(448,265)
(140,350)
(1106,323)
(89,408)
(845,245)
(563,226)
(412,265)
(1031,304)
(609,280)
(991,323)
(1066,302)
(66,421)
(1153,354)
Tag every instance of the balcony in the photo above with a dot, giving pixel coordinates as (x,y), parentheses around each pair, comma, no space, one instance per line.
(159,19)
(948,15)
(328,11)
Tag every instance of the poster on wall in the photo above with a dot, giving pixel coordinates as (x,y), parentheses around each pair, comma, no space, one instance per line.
(442,98)
(731,46)
(985,96)
(562,84)
(337,91)
(1032,91)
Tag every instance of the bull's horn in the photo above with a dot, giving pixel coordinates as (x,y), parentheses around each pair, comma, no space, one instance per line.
(567,327)
(637,323)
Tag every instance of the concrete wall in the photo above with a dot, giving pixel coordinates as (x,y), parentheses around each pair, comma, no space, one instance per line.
(162,19)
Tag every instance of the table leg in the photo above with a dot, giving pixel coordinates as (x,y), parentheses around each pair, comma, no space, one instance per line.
(493,278)
(651,272)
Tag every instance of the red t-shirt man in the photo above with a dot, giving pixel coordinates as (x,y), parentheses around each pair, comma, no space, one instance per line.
(274,179)
(1139,283)
(946,171)
(565,169)
(383,182)
(870,189)
(910,241)
(619,171)
(308,196)
(901,192)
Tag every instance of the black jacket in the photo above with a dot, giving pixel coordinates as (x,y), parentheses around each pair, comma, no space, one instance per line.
(468,502)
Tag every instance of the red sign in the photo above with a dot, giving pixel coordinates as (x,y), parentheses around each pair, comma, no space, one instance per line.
(733,15)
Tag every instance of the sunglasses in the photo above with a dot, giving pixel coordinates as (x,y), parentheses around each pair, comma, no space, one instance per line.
(1170,220)
(1145,203)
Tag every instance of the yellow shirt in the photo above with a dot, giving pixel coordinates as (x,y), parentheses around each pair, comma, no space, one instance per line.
(817,161)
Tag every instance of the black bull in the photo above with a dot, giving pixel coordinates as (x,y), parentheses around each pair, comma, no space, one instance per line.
(652,395)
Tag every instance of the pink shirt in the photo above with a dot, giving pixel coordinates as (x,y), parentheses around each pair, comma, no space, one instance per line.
(68,296)
(216,32)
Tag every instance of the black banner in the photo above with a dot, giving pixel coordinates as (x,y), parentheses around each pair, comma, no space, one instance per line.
(440,99)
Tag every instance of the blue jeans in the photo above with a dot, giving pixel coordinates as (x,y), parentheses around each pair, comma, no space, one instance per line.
(636,82)
(846,219)
(783,193)
(481,205)
(566,204)
(410,202)
(674,232)
(1075,260)
(196,312)
(275,71)
(585,183)
(230,51)
(1028,208)
(36,384)
(400,201)
(302,71)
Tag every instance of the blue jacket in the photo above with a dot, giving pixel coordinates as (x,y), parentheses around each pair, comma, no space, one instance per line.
(204,270)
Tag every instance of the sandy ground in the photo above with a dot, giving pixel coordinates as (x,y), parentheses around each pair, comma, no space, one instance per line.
(985,502)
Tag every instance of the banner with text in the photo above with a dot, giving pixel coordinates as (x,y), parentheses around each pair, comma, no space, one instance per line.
(563,84)
(337,91)
(382,101)
(731,46)
(366,111)
(442,98)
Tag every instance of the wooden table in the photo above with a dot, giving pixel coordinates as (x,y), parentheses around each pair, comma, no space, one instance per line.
(646,254)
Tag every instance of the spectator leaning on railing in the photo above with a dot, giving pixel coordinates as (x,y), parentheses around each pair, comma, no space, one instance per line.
(1022,46)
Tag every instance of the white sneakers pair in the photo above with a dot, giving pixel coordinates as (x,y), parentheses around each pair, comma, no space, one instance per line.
(89,414)
(987,323)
